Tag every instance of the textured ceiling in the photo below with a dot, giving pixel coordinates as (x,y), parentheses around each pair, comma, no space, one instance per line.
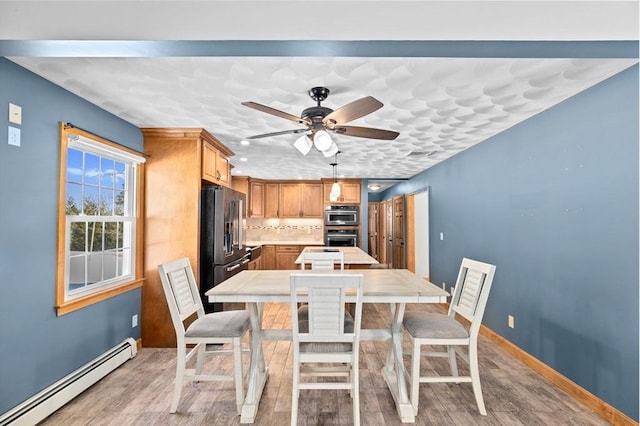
(440,106)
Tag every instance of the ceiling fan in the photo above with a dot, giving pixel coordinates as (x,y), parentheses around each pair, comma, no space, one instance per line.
(319,120)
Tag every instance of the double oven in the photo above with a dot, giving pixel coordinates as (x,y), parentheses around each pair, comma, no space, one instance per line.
(341,226)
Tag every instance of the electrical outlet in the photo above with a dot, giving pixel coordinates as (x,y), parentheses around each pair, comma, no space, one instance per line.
(134,321)
(511,321)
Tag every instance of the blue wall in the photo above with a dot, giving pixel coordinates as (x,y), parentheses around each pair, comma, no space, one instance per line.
(553,202)
(37,347)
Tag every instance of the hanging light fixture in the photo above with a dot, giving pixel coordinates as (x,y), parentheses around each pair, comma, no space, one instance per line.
(322,140)
(335,188)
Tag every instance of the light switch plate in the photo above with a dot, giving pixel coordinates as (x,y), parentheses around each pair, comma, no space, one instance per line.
(14,136)
(15,114)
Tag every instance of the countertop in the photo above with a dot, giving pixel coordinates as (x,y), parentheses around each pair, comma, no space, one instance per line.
(285,242)
(352,255)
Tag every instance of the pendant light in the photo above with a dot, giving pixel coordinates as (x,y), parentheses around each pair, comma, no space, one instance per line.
(335,188)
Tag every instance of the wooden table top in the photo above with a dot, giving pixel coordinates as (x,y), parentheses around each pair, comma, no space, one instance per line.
(380,286)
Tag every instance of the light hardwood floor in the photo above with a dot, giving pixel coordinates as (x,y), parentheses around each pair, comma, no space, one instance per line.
(140,391)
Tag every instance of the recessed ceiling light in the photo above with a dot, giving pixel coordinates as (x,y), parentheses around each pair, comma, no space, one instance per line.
(374,187)
(237,172)
(245,142)
(243,158)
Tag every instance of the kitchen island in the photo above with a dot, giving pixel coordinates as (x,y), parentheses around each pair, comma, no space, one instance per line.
(354,257)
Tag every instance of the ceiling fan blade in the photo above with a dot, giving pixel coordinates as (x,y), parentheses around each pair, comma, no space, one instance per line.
(366,132)
(276,112)
(353,110)
(284,132)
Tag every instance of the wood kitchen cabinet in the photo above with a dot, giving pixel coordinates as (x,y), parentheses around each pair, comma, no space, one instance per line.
(254,190)
(286,256)
(301,200)
(268,258)
(284,199)
(271,200)
(290,199)
(312,206)
(349,192)
(256,199)
(175,174)
(215,163)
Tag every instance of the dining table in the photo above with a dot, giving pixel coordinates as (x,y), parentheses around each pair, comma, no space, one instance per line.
(394,287)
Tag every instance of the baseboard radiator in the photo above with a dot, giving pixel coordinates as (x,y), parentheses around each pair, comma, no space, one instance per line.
(43,404)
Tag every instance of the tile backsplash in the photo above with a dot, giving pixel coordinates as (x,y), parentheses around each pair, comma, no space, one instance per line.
(259,229)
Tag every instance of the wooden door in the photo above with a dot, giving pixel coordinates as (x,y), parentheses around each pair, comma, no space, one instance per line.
(373,230)
(389,226)
(382,233)
(271,199)
(256,199)
(398,233)
(312,206)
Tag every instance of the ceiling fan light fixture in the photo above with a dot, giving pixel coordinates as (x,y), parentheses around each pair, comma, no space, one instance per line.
(322,140)
(333,149)
(303,144)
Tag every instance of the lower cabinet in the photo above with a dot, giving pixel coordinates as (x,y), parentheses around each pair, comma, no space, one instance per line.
(280,256)
(268,258)
(286,256)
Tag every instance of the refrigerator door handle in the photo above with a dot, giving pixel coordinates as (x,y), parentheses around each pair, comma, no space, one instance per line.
(231,268)
(240,224)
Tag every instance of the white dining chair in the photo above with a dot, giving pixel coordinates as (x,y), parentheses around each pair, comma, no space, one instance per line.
(322,260)
(424,328)
(183,298)
(327,342)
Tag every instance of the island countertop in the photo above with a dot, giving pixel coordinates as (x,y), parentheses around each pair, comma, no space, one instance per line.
(352,255)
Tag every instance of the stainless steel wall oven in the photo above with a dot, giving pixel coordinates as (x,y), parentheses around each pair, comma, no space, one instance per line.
(341,215)
(341,237)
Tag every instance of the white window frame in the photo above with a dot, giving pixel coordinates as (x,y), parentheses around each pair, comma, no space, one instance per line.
(89,292)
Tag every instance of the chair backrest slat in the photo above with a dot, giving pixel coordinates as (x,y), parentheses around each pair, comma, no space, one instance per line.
(322,260)
(325,311)
(326,295)
(472,291)
(181,291)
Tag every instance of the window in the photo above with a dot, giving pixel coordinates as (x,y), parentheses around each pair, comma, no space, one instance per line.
(99,244)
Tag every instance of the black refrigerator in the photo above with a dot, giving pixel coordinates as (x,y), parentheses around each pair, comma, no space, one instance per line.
(222,239)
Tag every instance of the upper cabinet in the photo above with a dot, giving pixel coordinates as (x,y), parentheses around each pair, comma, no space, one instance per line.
(271,199)
(349,191)
(290,200)
(256,199)
(283,199)
(301,200)
(215,162)
(311,200)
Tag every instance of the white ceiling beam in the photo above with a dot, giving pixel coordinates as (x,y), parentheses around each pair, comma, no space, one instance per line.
(318,20)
